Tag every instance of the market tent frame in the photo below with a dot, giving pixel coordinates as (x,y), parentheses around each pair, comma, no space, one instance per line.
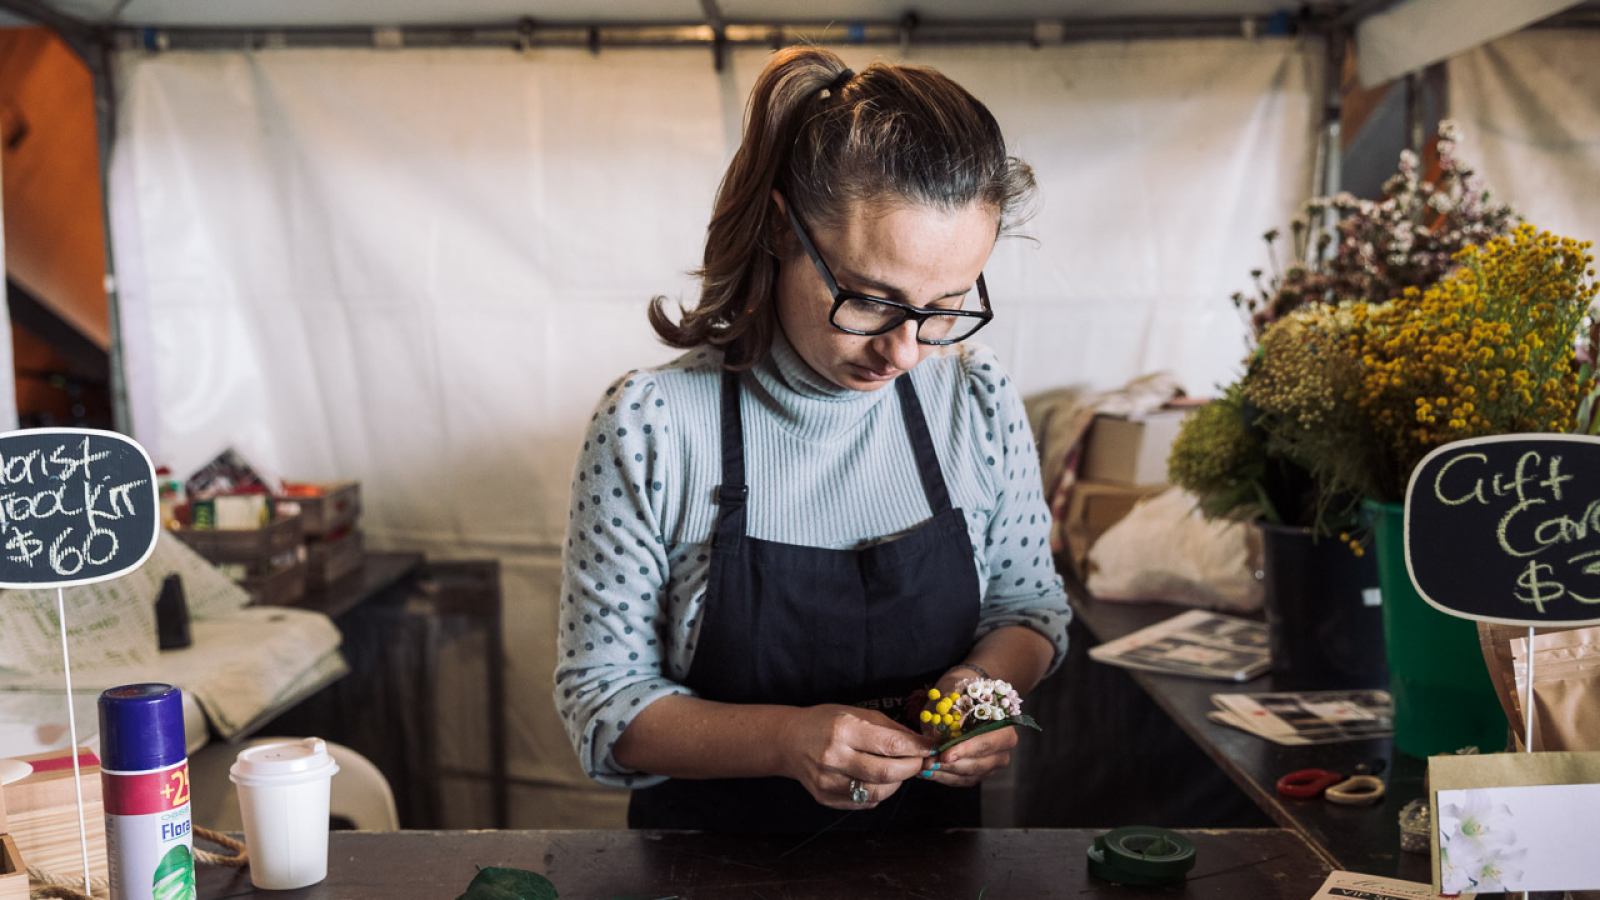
(99,29)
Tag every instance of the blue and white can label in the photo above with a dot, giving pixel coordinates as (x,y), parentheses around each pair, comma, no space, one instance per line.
(149,840)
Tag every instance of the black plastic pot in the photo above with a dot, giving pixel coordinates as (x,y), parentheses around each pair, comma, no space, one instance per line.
(1324,615)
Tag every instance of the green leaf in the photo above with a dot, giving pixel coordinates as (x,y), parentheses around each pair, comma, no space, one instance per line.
(174,876)
(991,726)
(496,883)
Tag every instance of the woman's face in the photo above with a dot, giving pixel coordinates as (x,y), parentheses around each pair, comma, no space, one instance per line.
(895,250)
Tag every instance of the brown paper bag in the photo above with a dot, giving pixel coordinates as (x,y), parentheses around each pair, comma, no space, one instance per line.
(1496,641)
(1566,683)
(1566,688)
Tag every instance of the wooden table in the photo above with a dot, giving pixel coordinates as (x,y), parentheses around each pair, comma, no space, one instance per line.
(1359,839)
(1260,864)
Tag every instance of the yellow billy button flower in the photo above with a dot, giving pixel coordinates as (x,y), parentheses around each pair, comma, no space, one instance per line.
(927,716)
(933,693)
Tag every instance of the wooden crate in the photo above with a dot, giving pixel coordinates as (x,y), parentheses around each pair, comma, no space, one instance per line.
(254,548)
(337,507)
(13,872)
(282,586)
(329,561)
(42,815)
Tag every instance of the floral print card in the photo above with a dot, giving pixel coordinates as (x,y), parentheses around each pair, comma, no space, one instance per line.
(1515,822)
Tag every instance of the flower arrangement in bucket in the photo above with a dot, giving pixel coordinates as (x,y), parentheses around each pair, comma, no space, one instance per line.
(1350,389)
(1271,447)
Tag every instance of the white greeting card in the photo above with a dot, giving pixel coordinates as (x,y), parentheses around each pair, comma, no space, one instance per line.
(1530,838)
(1515,822)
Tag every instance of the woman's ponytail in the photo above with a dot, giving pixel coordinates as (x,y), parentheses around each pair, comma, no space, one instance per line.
(739,272)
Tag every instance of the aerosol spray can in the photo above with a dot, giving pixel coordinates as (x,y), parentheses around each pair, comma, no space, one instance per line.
(144,776)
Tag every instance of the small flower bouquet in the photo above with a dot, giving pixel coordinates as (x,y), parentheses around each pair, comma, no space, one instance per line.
(976,706)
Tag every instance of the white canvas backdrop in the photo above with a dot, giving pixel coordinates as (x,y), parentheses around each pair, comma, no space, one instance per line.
(420,268)
(1529,109)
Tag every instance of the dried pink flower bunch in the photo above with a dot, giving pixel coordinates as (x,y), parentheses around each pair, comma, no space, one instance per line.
(1379,248)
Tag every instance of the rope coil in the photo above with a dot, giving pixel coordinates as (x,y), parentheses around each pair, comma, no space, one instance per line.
(50,886)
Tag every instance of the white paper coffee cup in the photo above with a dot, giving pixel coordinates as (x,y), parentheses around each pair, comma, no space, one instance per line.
(283,800)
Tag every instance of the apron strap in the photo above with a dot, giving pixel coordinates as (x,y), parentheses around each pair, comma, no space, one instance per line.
(732,492)
(922,445)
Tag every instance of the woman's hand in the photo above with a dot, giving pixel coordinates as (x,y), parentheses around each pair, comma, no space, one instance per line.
(831,745)
(971,761)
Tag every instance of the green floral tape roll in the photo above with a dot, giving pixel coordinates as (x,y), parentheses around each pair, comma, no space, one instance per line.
(1141,855)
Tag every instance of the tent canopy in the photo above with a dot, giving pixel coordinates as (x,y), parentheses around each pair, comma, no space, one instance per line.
(330,13)
(1398,36)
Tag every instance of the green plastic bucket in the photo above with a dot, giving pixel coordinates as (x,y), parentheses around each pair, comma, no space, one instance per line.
(1443,698)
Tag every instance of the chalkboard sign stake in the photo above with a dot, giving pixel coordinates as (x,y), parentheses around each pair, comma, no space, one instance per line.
(1527,697)
(1527,709)
(72,731)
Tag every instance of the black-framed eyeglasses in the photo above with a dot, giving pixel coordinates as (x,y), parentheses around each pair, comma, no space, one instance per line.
(856,313)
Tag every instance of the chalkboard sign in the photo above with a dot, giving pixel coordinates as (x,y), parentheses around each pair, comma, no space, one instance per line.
(76,506)
(1507,529)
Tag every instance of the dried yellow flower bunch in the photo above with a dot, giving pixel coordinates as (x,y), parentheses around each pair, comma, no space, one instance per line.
(1302,371)
(1221,460)
(1488,350)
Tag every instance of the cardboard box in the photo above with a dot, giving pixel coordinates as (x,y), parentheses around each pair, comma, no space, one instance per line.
(1092,508)
(1130,451)
(42,815)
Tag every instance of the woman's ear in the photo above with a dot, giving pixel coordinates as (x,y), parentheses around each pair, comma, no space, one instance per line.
(780,236)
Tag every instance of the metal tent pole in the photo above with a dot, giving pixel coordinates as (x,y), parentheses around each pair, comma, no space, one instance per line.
(715,33)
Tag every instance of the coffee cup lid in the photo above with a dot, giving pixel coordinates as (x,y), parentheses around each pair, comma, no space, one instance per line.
(286,762)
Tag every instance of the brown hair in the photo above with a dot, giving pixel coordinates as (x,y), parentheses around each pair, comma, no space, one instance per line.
(827,140)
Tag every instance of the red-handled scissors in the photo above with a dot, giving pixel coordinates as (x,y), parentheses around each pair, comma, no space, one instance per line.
(1357,790)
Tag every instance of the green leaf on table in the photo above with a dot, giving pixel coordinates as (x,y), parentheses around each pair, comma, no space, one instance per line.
(497,883)
(991,726)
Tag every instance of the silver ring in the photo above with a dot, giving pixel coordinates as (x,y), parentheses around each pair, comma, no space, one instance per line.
(858,794)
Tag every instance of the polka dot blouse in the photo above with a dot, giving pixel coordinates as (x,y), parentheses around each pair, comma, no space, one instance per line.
(826,467)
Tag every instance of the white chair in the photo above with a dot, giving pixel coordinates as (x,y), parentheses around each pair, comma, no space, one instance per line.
(359,794)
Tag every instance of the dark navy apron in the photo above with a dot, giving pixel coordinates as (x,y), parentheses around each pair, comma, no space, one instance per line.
(802,626)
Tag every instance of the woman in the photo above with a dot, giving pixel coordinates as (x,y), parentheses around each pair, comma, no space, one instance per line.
(779,542)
